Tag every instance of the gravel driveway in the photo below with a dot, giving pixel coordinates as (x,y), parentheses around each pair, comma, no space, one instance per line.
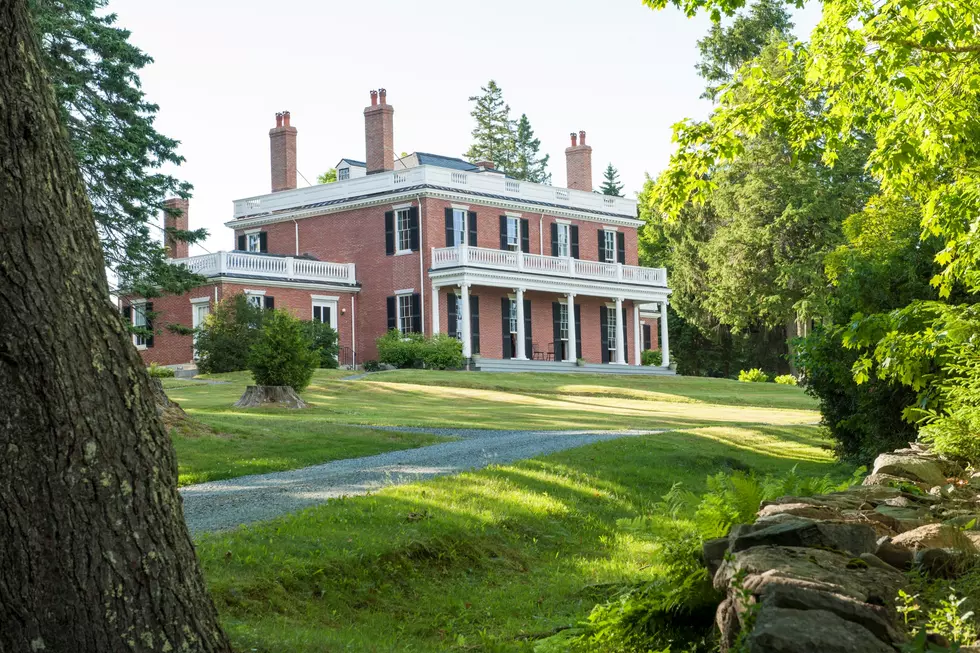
(226,504)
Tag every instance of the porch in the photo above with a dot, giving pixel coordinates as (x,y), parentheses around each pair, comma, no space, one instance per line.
(564,367)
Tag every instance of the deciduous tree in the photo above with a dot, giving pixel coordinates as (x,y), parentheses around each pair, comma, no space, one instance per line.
(96,555)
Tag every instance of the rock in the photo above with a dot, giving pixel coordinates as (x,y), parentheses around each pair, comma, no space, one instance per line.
(713,552)
(800,510)
(726,619)
(874,618)
(915,467)
(897,556)
(874,561)
(813,568)
(935,536)
(842,536)
(941,563)
(780,630)
(883,525)
(892,481)
(905,519)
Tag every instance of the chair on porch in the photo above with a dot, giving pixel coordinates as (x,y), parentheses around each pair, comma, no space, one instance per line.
(537,354)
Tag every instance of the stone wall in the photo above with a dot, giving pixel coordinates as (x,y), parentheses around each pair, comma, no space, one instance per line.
(822,573)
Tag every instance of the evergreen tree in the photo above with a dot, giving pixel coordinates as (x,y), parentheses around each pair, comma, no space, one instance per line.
(95,72)
(610,184)
(527,165)
(493,136)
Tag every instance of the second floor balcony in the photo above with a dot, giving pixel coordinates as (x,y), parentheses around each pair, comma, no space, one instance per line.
(553,266)
(269,267)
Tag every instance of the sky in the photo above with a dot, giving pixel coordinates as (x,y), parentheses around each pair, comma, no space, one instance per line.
(613,68)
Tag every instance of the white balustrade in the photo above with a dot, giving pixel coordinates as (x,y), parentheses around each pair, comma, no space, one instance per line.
(263,265)
(447,257)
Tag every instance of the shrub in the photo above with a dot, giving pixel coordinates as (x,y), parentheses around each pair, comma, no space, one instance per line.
(159,372)
(283,354)
(864,420)
(652,357)
(412,350)
(227,336)
(371,366)
(785,379)
(323,342)
(442,352)
(755,375)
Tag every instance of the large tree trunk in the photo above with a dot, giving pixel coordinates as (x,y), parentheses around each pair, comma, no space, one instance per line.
(94,552)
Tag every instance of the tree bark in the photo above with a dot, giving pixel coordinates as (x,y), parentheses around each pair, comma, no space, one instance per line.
(270,395)
(94,552)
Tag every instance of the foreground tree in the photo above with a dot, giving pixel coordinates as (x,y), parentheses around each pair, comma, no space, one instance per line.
(95,554)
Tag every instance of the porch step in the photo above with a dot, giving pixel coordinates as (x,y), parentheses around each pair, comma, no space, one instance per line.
(510,365)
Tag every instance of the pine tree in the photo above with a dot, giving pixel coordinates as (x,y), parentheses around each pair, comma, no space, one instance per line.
(493,136)
(95,72)
(527,165)
(610,184)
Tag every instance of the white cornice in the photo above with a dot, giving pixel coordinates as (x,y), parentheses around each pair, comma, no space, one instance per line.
(506,205)
(285,284)
(545,283)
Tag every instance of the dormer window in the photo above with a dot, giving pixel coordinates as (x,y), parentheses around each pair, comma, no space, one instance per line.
(343,174)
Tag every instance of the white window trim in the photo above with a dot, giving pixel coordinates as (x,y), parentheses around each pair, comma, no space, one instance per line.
(516,220)
(252,231)
(405,291)
(513,214)
(200,300)
(398,312)
(325,302)
(141,303)
(249,291)
(325,298)
(399,251)
(568,237)
(399,207)
(606,227)
(258,242)
(615,247)
(461,207)
(466,220)
(563,221)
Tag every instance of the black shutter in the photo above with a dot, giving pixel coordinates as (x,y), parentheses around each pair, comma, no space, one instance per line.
(471,225)
(503,232)
(417,313)
(646,336)
(621,246)
(602,245)
(389,233)
(626,340)
(270,303)
(525,237)
(147,309)
(528,341)
(413,225)
(453,316)
(241,243)
(554,239)
(556,328)
(604,334)
(474,324)
(574,238)
(578,331)
(392,313)
(505,326)
(263,242)
(450,228)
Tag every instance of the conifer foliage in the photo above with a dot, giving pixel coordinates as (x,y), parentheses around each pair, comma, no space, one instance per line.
(610,182)
(509,144)
(528,165)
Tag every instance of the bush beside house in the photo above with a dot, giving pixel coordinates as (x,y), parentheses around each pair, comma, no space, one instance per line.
(283,354)
(413,350)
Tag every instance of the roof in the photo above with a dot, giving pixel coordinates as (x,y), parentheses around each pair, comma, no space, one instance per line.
(426,159)
(359,164)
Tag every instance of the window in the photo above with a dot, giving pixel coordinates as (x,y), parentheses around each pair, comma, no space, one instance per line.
(611,318)
(256,300)
(403,230)
(139,320)
(563,321)
(459,317)
(564,248)
(254,243)
(609,246)
(459,227)
(513,316)
(406,319)
(343,174)
(321,313)
(325,310)
(513,233)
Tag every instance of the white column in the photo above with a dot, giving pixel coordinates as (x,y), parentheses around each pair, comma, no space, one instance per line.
(465,316)
(620,330)
(664,345)
(570,355)
(637,336)
(519,299)
(435,309)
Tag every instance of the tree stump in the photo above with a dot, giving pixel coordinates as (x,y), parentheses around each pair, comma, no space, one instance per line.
(266,395)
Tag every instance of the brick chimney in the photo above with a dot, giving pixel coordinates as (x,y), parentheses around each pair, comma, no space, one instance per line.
(282,143)
(578,163)
(176,216)
(378,137)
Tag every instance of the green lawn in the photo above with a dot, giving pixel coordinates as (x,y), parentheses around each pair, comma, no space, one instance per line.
(483,561)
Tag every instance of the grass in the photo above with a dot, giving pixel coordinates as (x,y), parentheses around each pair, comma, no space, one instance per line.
(483,561)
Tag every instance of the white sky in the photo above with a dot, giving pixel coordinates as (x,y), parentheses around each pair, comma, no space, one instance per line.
(618,70)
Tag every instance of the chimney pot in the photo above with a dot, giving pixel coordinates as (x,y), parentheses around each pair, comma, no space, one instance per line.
(285,119)
(374,98)
(378,133)
(578,163)
(278,119)
(574,139)
(383,96)
(581,134)
(282,150)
